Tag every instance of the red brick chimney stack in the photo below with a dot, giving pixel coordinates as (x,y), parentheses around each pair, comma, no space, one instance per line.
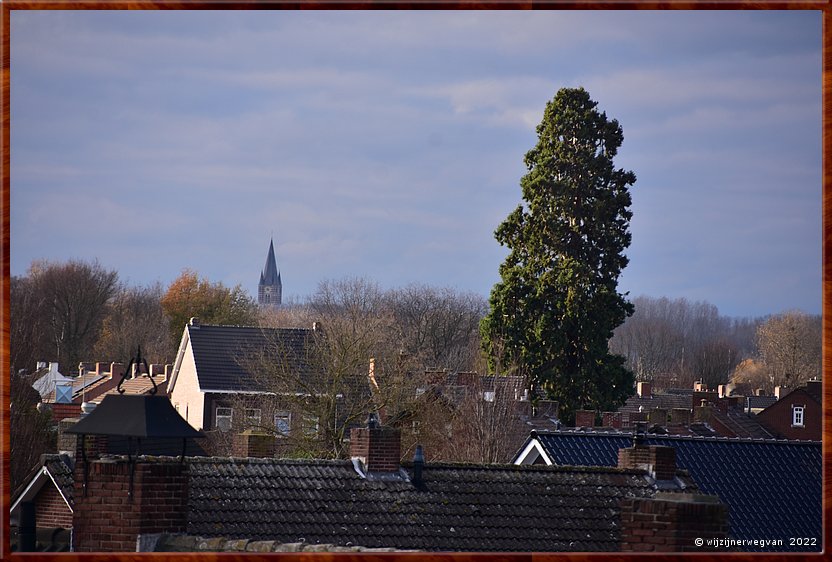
(378,448)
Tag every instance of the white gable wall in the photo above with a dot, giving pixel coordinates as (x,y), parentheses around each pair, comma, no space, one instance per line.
(186,395)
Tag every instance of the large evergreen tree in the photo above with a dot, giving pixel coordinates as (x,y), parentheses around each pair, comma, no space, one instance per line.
(556,306)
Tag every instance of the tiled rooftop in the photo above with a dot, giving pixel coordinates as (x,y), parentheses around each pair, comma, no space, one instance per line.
(458,508)
(220,353)
(772,487)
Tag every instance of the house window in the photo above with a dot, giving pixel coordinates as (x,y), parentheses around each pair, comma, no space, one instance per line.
(253,417)
(223,418)
(488,396)
(283,423)
(797,416)
(310,425)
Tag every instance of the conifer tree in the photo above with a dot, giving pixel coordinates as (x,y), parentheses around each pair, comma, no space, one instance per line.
(556,306)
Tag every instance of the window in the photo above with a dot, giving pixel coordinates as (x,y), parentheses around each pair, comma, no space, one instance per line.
(283,423)
(253,416)
(223,418)
(797,416)
(310,425)
(488,396)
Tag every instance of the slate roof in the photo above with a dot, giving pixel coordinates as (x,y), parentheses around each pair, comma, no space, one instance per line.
(772,487)
(459,507)
(220,353)
(741,424)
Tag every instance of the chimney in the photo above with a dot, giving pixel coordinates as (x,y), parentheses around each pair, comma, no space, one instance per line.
(759,392)
(644,389)
(700,386)
(585,418)
(659,462)
(108,519)
(721,391)
(780,392)
(194,321)
(672,522)
(253,444)
(611,419)
(703,412)
(657,416)
(378,448)
(116,370)
(680,416)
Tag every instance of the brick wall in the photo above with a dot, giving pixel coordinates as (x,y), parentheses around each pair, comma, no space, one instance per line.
(671,522)
(108,520)
(660,462)
(51,510)
(63,411)
(378,448)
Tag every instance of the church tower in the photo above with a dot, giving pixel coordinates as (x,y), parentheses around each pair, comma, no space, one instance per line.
(270,290)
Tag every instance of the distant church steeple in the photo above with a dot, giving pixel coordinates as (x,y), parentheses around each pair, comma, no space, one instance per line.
(270,290)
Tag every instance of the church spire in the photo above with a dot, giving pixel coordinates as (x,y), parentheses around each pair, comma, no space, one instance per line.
(270,289)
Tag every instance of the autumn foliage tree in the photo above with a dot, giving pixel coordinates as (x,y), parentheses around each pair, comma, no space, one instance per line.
(213,303)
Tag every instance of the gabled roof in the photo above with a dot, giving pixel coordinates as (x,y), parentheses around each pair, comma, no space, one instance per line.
(458,508)
(221,353)
(772,487)
(46,384)
(759,402)
(53,471)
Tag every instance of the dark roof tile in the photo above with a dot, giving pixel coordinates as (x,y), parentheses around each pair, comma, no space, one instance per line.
(221,353)
(458,508)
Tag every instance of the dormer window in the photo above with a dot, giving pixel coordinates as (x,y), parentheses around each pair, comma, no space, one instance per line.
(797,416)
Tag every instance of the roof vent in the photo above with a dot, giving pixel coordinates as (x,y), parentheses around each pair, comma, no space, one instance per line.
(418,465)
(194,321)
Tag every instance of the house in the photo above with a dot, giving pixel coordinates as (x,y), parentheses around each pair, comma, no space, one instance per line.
(49,378)
(772,487)
(375,502)
(211,368)
(49,491)
(796,415)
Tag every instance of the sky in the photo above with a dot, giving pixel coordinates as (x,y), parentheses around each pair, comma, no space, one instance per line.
(389,145)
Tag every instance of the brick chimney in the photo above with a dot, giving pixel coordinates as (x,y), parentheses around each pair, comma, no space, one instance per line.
(680,416)
(672,521)
(657,416)
(659,462)
(109,519)
(611,419)
(585,418)
(644,389)
(378,448)
(253,444)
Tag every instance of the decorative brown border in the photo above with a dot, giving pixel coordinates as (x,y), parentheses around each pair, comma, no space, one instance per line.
(821,5)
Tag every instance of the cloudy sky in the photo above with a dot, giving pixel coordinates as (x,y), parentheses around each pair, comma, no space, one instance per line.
(390,144)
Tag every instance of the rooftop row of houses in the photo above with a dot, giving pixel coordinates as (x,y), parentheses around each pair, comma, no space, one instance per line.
(566,491)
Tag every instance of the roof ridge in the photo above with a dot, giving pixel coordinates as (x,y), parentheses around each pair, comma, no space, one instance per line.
(681,437)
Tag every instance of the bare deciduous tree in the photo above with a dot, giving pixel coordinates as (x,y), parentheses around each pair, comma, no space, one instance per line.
(790,346)
(71,304)
(135,317)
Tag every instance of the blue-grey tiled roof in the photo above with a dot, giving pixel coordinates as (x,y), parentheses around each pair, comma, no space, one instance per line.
(772,487)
